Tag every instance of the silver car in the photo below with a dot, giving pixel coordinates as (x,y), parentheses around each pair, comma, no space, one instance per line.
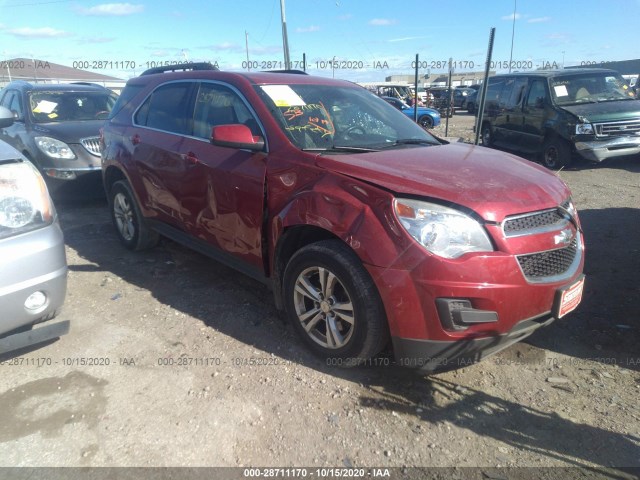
(33,266)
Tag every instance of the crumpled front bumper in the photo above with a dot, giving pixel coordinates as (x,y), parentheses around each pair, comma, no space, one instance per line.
(597,151)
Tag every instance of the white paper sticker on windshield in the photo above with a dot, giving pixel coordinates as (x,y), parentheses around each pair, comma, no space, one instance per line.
(561,91)
(45,106)
(283,95)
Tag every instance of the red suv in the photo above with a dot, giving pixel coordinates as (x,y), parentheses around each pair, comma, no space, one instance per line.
(366,227)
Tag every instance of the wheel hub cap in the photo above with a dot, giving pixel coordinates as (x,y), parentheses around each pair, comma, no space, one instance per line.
(325,307)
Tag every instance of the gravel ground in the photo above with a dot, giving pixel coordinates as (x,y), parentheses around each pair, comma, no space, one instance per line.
(175,360)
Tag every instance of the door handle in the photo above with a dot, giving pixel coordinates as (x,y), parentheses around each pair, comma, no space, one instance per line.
(191,158)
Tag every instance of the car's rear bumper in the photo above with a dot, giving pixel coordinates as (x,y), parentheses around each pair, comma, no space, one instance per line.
(29,263)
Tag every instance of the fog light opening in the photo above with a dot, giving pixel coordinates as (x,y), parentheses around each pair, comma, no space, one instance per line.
(459,314)
(61,174)
(36,301)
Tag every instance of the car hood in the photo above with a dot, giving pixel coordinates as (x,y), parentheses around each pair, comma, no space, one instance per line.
(493,184)
(69,132)
(606,111)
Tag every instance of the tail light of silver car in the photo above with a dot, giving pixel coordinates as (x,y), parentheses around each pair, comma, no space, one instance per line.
(25,204)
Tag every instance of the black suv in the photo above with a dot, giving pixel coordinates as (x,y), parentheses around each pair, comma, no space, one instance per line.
(57,126)
(554,114)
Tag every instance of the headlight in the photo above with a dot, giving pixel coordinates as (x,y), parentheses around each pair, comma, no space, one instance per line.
(54,148)
(441,230)
(24,200)
(584,129)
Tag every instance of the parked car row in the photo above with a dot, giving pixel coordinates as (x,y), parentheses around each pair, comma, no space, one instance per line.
(370,231)
(48,139)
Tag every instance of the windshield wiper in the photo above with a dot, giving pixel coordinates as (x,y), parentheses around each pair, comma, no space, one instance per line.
(341,148)
(410,141)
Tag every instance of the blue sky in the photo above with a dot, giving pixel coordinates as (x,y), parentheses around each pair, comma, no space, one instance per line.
(369,39)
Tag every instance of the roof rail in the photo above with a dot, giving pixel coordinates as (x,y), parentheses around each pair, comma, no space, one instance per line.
(295,72)
(90,84)
(180,66)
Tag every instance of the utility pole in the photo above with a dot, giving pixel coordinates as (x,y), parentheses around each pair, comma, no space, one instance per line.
(513,32)
(246,43)
(285,41)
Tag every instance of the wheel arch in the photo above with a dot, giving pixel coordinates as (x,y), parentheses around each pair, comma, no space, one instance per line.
(110,176)
(292,239)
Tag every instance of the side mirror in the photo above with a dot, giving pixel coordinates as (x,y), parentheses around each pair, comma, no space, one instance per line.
(236,136)
(539,102)
(6,117)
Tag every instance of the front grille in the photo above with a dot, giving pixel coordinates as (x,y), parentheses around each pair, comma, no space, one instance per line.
(519,224)
(92,144)
(624,128)
(552,263)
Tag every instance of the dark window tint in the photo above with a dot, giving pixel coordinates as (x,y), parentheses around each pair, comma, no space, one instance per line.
(495,89)
(125,97)
(517,92)
(13,101)
(219,105)
(505,94)
(6,98)
(537,93)
(168,108)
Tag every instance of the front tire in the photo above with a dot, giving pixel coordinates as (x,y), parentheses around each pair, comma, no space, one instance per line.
(131,227)
(426,121)
(333,304)
(555,153)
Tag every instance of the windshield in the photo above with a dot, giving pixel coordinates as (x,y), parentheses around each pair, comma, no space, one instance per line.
(70,106)
(321,117)
(589,88)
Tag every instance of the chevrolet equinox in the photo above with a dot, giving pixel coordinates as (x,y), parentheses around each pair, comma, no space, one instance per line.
(369,230)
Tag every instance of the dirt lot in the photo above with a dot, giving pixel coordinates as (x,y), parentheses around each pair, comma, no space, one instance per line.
(175,360)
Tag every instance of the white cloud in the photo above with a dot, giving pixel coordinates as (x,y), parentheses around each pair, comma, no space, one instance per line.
(511,17)
(111,10)
(312,28)
(44,32)
(404,39)
(539,20)
(381,22)
(348,16)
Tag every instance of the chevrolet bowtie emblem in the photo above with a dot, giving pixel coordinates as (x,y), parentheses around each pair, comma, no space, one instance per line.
(565,236)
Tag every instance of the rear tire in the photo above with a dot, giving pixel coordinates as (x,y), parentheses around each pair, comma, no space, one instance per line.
(131,227)
(334,305)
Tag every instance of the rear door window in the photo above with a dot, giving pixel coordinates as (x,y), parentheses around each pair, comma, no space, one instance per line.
(168,108)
